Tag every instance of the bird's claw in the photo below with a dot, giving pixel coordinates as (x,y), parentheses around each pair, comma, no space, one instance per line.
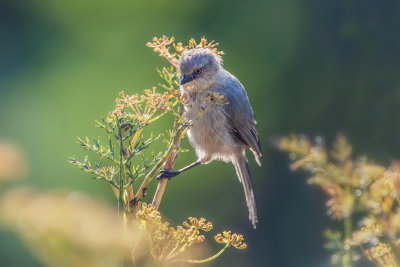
(167,174)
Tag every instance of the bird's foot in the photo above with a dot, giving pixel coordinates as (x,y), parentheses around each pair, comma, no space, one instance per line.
(167,174)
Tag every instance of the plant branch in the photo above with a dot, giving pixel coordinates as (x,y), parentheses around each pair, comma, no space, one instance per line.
(168,165)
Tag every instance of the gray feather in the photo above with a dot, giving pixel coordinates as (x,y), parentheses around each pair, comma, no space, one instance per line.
(240,114)
(243,173)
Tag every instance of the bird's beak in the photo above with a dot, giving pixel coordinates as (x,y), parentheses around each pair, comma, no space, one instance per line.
(185,79)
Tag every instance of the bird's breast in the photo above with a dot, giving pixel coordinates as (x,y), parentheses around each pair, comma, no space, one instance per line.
(209,134)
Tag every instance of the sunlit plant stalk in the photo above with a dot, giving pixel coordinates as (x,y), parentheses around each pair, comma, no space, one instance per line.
(168,164)
(210,258)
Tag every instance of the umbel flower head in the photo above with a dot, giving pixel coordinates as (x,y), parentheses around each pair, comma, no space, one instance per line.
(169,244)
(230,239)
(162,46)
(142,107)
(369,233)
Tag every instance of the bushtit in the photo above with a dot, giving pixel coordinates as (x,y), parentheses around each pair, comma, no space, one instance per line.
(224,131)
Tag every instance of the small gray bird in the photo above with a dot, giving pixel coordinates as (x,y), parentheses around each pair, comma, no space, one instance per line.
(224,131)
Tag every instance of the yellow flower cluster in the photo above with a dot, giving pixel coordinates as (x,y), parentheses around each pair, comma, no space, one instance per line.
(369,233)
(199,224)
(168,244)
(203,44)
(162,46)
(230,239)
(382,255)
(144,106)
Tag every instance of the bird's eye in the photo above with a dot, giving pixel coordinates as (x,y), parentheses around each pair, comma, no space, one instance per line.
(198,71)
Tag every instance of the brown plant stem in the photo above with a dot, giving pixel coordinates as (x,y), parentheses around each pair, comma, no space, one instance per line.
(168,165)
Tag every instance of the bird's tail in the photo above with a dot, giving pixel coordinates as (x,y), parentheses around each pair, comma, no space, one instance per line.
(243,173)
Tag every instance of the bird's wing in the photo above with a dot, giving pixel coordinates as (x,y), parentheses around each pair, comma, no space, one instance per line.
(249,136)
(241,116)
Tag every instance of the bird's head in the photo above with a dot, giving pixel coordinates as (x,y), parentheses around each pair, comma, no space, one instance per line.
(198,68)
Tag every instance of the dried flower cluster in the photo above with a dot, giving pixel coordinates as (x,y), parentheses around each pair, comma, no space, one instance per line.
(162,46)
(227,238)
(355,187)
(170,244)
(142,108)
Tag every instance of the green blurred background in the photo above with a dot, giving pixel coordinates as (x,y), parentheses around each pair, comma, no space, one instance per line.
(312,66)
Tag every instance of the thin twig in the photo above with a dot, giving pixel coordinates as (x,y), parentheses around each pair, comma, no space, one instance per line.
(208,259)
